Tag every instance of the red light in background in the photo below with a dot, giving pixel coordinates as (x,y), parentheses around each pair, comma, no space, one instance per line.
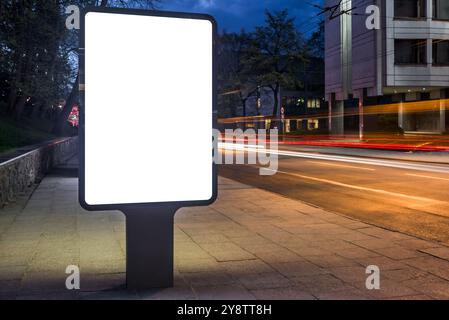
(73,118)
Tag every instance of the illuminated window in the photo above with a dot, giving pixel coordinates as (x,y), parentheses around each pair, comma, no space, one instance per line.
(287,126)
(267,124)
(313,103)
(312,124)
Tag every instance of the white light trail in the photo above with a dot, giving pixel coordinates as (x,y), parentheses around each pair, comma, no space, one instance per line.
(366,161)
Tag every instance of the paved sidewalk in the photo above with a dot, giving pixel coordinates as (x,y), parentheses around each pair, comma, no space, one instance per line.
(250,244)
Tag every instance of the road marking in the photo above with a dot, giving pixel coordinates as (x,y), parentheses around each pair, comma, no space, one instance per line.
(422,176)
(350,186)
(341,165)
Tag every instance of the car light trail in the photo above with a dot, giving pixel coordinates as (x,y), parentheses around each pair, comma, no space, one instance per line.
(340,165)
(342,144)
(374,162)
(361,145)
(427,177)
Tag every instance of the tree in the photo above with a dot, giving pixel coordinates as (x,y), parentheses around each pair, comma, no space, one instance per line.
(233,74)
(276,53)
(313,73)
(31,34)
(316,41)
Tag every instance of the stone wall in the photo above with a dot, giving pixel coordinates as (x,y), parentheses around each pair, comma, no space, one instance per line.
(20,173)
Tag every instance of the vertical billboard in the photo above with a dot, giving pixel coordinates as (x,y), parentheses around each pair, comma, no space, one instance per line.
(147,109)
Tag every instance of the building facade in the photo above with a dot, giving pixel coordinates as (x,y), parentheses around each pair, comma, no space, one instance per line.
(399,65)
(304,112)
(299,112)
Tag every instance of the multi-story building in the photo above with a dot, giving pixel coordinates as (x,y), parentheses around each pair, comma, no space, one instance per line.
(399,65)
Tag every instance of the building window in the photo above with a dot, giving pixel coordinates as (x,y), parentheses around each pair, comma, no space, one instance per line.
(440,52)
(410,8)
(267,124)
(410,51)
(312,124)
(287,126)
(313,103)
(441,9)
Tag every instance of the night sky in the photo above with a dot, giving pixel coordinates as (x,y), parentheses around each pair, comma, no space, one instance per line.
(233,15)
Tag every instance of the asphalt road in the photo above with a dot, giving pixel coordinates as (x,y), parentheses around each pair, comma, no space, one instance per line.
(398,195)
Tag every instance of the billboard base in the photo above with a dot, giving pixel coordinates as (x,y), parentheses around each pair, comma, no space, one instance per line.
(149,247)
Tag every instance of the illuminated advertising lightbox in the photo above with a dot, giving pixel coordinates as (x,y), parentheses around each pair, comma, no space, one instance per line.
(147,109)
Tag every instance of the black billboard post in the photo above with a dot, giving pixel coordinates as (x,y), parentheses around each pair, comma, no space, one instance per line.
(137,66)
(149,247)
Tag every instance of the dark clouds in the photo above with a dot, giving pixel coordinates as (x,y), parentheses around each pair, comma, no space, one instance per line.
(233,15)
